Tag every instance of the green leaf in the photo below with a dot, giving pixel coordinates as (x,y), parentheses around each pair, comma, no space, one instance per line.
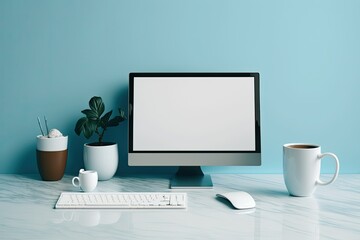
(86,126)
(91,114)
(87,133)
(80,125)
(96,104)
(105,119)
(122,114)
(115,121)
(89,128)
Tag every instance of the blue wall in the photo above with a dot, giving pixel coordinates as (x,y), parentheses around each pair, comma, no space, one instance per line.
(55,55)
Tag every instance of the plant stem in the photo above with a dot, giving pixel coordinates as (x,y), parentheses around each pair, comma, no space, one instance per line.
(101,135)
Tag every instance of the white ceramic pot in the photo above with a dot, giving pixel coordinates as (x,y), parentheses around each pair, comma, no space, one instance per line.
(103,159)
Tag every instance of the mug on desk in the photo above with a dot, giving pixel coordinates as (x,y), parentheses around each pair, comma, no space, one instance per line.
(86,181)
(51,155)
(302,163)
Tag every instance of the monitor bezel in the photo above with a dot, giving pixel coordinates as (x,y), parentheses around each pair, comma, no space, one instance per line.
(249,157)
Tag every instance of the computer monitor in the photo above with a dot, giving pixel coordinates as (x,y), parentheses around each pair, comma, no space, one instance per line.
(191,120)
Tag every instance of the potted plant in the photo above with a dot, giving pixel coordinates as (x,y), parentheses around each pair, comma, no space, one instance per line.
(100,156)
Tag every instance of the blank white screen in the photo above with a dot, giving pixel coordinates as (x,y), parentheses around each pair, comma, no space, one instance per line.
(194,114)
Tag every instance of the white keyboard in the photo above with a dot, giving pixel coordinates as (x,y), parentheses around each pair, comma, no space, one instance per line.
(168,200)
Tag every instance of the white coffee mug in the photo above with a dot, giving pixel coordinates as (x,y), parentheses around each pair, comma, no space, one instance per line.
(86,181)
(302,163)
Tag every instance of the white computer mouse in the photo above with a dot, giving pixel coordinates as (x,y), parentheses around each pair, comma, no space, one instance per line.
(240,200)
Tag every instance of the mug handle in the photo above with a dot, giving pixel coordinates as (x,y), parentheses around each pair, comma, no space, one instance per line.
(78,180)
(319,182)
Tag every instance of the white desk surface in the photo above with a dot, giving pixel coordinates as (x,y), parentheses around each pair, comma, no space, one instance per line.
(26,210)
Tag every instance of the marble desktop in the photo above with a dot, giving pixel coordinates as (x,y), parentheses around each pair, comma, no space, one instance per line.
(333,212)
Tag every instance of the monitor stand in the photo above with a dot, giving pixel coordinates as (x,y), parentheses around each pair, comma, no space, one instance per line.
(190,177)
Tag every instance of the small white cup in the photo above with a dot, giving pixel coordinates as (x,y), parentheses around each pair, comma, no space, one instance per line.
(86,181)
(302,164)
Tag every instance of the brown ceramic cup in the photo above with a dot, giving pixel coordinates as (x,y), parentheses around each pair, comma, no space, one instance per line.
(51,154)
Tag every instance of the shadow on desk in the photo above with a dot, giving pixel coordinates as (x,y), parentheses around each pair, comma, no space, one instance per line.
(271,192)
